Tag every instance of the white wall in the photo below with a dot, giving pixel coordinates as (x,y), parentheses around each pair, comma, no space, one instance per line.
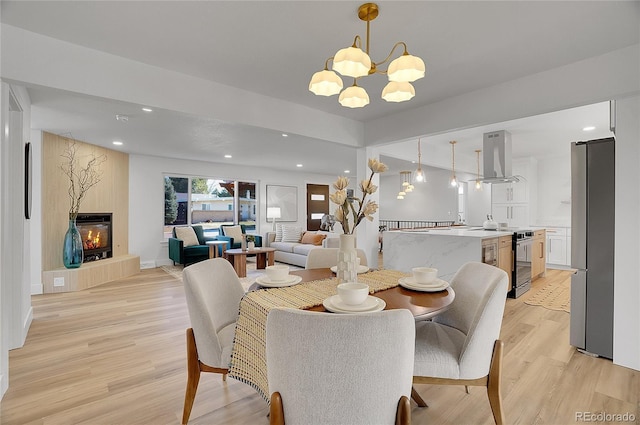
(146,197)
(626,320)
(434,199)
(554,191)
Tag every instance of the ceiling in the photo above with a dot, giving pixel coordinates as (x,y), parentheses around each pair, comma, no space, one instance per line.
(273,48)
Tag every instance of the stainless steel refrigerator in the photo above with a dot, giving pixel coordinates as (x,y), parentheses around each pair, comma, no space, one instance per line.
(592,245)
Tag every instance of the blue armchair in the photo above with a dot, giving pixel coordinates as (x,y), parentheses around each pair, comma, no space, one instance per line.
(231,234)
(190,254)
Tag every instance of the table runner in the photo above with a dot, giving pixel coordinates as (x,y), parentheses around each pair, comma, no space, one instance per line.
(248,358)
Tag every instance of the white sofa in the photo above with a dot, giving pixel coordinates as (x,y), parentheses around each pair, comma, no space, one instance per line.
(295,252)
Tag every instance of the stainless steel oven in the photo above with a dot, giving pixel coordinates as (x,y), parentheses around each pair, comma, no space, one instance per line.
(521,279)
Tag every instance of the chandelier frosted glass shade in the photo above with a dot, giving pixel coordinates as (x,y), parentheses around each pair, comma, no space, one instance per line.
(352,62)
(325,83)
(406,68)
(398,92)
(354,97)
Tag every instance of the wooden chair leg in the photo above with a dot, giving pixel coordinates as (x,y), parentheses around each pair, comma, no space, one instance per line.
(193,376)
(466,389)
(493,383)
(403,414)
(416,397)
(276,410)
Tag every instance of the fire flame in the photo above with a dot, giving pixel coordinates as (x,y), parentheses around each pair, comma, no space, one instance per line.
(91,242)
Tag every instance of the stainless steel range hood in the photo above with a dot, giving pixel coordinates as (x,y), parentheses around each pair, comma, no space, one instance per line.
(496,154)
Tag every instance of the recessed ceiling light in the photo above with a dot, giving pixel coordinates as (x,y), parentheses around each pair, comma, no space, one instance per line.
(299,165)
(589,128)
(228,156)
(117,143)
(147,109)
(347,171)
(285,135)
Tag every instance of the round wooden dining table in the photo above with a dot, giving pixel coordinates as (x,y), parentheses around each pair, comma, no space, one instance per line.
(423,305)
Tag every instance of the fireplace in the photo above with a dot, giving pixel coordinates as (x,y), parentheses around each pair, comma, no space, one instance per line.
(96,233)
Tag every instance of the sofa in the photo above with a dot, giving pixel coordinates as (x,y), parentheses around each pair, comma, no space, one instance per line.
(188,245)
(295,253)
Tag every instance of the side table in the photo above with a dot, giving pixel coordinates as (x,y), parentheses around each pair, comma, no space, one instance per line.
(213,248)
(238,259)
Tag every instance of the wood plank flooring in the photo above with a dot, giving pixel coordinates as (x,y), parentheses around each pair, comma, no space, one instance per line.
(115,354)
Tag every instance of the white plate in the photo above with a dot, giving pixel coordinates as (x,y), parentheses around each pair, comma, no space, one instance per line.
(371,304)
(265,282)
(409,283)
(361,269)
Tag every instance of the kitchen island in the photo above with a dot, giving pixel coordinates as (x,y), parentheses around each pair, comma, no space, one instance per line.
(445,249)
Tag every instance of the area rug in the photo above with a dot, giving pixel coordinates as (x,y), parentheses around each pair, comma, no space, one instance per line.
(552,296)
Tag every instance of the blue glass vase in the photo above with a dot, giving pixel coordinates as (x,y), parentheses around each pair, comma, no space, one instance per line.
(72,252)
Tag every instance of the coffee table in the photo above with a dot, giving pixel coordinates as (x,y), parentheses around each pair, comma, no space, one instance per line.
(213,248)
(238,258)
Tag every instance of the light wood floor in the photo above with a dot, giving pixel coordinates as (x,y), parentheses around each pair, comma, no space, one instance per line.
(115,354)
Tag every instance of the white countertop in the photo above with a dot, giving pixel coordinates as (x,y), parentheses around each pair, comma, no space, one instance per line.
(465,232)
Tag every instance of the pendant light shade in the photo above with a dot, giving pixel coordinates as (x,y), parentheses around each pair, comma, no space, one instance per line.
(398,92)
(325,83)
(354,97)
(407,68)
(352,62)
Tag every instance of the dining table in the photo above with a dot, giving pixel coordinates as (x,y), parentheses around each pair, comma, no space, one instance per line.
(248,358)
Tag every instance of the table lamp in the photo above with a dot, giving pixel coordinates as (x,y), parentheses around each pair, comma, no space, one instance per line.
(273,213)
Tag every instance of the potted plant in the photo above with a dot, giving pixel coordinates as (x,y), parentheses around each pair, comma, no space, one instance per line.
(251,241)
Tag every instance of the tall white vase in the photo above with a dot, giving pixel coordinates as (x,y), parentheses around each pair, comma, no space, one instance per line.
(347,268)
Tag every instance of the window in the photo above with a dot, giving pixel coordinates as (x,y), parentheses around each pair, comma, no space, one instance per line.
(207,202)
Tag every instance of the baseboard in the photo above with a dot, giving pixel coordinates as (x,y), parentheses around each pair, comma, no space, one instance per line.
(160,263)
(37,289)
(147,265)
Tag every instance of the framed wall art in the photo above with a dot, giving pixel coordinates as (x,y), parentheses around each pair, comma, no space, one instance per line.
(285,198)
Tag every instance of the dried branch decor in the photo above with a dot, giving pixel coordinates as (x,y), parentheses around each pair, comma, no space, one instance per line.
(82,176)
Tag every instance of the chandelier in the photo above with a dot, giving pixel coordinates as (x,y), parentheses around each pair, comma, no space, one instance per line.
(354,62)
(405,184)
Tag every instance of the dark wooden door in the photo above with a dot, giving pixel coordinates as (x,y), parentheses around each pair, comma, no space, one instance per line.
(317,204)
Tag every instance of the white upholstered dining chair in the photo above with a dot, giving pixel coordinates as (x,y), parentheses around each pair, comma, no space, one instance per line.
(340,368)
(213,292)
(322,258)
(461,345)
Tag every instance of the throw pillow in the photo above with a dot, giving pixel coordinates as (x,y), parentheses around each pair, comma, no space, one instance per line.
(187,235)
(278,232)
(312,238)
(234,232)
(291,234)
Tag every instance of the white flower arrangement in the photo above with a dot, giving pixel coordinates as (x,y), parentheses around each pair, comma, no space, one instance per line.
(345,204)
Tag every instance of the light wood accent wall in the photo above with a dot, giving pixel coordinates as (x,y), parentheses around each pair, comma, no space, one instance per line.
(110,195)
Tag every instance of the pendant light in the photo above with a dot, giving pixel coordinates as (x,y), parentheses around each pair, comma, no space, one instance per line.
(404,184)
(419,173)
(454,180)
(478,182)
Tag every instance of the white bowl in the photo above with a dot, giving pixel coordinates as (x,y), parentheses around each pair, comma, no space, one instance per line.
(277,273)
(353,293)
(424,275)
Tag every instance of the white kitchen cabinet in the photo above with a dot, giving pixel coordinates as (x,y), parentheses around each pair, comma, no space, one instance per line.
(515,215)
(557,243)
(506,193)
